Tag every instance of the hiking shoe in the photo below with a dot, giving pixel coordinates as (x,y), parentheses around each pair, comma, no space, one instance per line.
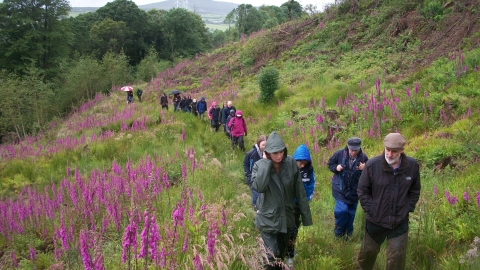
(290,263)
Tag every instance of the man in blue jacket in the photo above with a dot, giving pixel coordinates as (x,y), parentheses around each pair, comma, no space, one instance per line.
(347,165)
(202,108)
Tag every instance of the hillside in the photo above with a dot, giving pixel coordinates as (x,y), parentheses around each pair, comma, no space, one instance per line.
(129,186)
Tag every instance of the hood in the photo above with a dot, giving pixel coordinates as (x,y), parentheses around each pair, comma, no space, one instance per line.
(239,113)
(275,144)
(302,153)
(203,98)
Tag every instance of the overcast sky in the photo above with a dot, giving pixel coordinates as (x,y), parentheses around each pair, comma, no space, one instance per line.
(100,3)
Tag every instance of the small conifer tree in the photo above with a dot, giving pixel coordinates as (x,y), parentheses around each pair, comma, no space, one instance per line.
(268,82)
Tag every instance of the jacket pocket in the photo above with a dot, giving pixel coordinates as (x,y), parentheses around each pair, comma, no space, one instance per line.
(267,220)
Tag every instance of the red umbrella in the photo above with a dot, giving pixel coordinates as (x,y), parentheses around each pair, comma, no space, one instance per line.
(127,89)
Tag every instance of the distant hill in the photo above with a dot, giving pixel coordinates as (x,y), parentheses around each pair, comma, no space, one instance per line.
(199,6)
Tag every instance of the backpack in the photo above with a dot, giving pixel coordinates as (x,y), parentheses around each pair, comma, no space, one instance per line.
(344,161)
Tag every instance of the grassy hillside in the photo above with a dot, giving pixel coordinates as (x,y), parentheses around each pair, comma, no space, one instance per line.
(130,186)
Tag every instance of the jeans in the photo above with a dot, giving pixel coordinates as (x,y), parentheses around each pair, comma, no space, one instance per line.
(344,217)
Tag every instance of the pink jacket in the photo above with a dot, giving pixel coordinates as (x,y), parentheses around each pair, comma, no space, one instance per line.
(238,125)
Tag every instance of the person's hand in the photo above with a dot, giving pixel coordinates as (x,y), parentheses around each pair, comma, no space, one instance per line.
(361,166)
(245,134)
(339,168)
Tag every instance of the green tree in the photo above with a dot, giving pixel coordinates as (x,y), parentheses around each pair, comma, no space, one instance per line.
(247,19)
(115,70)
(293,9)
(150,66)
(26,104)
(185,34)
(33,32)
(218,38)
(275,15)
(80,27)
(109,35)
(155,34)
(268,78)
(136,27)
(82,80)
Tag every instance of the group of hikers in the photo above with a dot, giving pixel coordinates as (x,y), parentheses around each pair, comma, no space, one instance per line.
(387,186)
(234,125)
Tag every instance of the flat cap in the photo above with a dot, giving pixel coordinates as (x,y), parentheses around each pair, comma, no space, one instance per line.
(354,143)
(394,141)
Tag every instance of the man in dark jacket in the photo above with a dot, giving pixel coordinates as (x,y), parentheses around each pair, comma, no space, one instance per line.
(164,101)
(252,156)
(347,165)
(388,190)
(278,181)
(225,113)
(215,113)
(139,94)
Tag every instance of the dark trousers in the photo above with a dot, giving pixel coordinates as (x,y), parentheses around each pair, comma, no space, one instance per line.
(165,106)
(276,246)
(293,232)
(238,140)
(215,124)
(375,235)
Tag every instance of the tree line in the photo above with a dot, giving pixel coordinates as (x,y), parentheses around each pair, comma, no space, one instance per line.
(51,62)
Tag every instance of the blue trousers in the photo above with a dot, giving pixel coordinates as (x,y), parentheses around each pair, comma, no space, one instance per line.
(344,217)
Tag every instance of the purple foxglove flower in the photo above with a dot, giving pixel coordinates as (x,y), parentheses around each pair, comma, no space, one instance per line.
(197,262)
(466,197)
(33,254)
(87,260)
(144,236)
(13,258)
(185,243)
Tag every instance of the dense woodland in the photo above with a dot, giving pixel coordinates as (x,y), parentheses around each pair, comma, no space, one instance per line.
(50,62)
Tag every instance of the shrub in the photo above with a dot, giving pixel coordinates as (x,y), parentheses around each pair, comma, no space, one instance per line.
(268,82)
(433,10)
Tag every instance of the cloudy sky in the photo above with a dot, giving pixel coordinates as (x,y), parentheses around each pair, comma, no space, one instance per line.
(100,3)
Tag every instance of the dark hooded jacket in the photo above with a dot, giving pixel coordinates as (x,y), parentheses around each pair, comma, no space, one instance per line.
(202,106)
(226,112)
(277,191)
(251,157)
(345,183)
(387,196)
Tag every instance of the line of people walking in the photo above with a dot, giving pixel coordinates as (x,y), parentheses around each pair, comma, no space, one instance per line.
(231,119)
(387,186)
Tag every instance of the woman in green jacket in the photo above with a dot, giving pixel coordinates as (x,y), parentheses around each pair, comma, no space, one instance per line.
(277,180)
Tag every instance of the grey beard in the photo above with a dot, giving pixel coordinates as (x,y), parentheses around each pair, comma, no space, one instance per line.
(390,162)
